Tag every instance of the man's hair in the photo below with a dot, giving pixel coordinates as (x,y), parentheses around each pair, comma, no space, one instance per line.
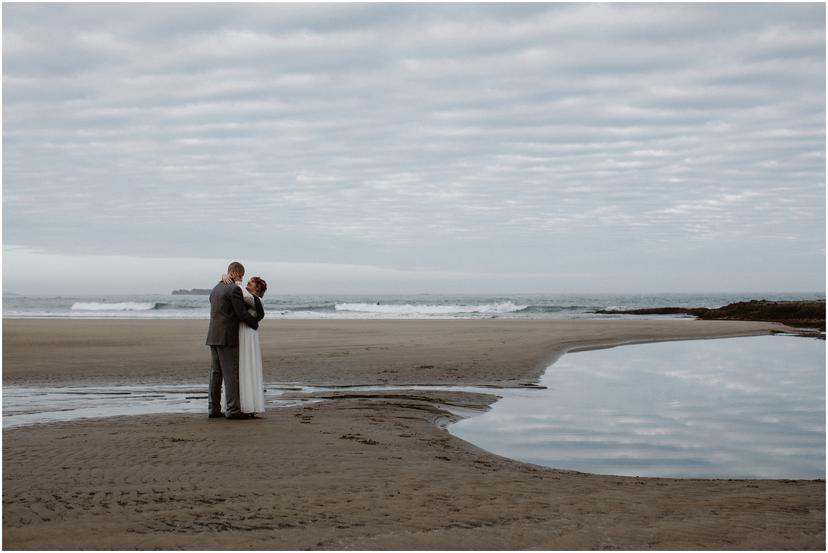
(235,267)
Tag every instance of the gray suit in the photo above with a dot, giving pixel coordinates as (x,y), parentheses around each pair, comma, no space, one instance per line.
(227,310)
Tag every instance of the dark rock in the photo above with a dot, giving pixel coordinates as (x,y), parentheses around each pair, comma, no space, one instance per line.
(792,313)
(810,313)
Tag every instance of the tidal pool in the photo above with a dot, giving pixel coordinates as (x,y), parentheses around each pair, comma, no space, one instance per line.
(725,408)
(30,405)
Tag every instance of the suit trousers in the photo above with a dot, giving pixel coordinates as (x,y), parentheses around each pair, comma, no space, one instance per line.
(225,366)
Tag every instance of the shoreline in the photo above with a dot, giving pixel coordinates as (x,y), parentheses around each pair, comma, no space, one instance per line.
(501,353)
(361,470)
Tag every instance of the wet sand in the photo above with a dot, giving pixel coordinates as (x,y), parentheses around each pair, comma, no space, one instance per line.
(361,471)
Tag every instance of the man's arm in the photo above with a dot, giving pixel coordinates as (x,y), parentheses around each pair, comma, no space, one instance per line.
(240,308)
(259,308)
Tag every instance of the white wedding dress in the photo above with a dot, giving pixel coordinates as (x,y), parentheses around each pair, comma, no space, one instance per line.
(251,380)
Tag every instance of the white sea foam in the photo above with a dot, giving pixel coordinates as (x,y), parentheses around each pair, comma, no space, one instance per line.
(409,309)
(123,306)
(419,306)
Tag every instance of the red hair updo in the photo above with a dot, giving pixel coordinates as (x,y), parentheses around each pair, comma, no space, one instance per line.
(260,285)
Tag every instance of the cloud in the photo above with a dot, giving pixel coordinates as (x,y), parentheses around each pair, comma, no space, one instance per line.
(469,137)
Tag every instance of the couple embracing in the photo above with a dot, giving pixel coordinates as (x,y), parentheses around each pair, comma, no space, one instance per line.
(235,312)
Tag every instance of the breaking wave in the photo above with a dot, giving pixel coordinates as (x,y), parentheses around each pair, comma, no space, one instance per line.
(122,306)
(409,309)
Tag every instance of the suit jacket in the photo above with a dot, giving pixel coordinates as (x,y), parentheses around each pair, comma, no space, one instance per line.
(227,310)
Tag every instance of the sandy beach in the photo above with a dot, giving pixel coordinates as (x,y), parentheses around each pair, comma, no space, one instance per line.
(474,352)
(362,470)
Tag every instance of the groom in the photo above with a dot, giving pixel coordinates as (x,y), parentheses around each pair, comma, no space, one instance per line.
(227,310)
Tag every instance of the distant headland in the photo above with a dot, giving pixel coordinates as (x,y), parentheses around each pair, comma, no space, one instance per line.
(192,292)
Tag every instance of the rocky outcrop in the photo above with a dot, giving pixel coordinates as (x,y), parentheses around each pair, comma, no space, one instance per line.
(191,292)
(810,314)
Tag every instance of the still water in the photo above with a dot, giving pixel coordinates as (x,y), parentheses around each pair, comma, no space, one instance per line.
(31,405)
(728,408)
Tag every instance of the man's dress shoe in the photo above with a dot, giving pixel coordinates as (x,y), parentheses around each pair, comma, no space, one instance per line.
(241,416)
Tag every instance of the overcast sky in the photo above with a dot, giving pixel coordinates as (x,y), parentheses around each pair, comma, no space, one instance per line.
(415,148)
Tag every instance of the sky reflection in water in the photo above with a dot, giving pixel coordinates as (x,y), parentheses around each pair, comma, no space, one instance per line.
(728,408)
(731,408)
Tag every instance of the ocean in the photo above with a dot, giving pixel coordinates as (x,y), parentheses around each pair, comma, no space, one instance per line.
(328,306)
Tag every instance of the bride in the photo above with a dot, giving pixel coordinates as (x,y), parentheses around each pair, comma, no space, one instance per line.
(251,380)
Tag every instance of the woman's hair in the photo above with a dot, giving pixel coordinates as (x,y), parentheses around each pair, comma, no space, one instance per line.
(260,285)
